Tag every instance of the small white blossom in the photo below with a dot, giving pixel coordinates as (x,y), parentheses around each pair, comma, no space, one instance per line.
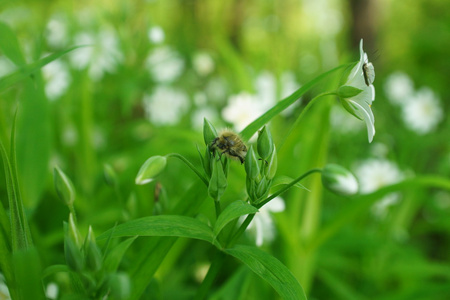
(373,174)
(262,225)
(266,89)
(51,292)
(156,35)
(101,54)
(58,79)
(56,32)
(242,109)
(362,93)
(164,64)
(165,106)
(399,88)
(203,63)
(423,111)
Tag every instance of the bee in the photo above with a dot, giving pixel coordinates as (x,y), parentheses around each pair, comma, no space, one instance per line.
(368,72)
(230,144)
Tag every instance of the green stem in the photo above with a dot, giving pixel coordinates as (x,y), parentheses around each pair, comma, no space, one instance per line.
(190,165)
(217,206)
(302,114)
(214,269)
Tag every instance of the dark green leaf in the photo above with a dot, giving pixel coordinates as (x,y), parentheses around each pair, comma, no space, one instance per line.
(114,257)
(270,269)
(231,212)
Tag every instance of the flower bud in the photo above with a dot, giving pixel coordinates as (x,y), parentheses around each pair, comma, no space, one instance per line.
(272,163)
(251,164)
(72,249)
(265,143)
(263,188)
(110,175)
(209,132)
(150,169)
(218,182)
(339,180)
(93,254)
(64,187)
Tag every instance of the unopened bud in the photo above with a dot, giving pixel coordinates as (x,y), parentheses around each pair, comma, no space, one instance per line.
(209,132)
(339,180)
(265,143)
(64,187)
(150,169)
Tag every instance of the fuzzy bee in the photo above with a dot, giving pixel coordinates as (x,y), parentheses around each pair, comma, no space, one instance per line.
(230,144)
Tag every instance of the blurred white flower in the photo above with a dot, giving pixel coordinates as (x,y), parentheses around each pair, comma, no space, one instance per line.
(399,88)
(216,90)
(57,77)
(358,93)
(200,114)
(266,89)
(373,174)
(4,291)
(203,63)
(242,109)
(102,53)
(423,111)
(56,31)
(69,135)
(156,35)
(262,225)
(52,290)
(164,64)
(165,106)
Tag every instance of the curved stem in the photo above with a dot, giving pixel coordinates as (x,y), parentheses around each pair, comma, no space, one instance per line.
(190,165)
(302,114)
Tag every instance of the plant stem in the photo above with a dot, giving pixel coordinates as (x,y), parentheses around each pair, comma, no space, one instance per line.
(214,269)
(190,165)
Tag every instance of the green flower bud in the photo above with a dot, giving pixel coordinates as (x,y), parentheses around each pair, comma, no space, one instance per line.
(263,188)
(207,162)
(218,182)
(93,254)
(272,162)
(73,232)
(64,187)
(72,252)
(347,91)
(265,143)
(251,164)
(150,169)
(110,175)
(339,180)
(209,132)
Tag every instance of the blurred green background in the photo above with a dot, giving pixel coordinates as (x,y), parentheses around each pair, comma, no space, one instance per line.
(154,69)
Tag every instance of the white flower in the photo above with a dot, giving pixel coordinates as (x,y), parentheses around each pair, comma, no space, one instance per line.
(423,112)
(399,88)
(375,173)
(58,79)
(203,63)
(242,109)
(156,35)
(262,225)
(200,114)
(165,106)
(56,31)
(164,64)
(266,89)
(339,180)
(102,53)
(358,92)
(51,292)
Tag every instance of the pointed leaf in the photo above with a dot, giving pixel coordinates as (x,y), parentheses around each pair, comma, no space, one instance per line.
(114,257)
(10,46)
(231,212)
(270,269)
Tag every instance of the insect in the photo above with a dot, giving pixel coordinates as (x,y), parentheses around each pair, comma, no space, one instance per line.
(368,72)
(230,144)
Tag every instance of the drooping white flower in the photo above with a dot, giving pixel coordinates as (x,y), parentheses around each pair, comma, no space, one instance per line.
(101,55)
(373,174)
(241,110)
(58,79)
(358,92)
(423,111)
(262,225)
(399,88)
(165,106)
(164,64)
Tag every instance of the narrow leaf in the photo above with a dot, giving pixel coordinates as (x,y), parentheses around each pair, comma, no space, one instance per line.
(114,257)
(26,70)
(10,46)
(270,269)
(231,212)
(284,180)
(283,104)
(166,225)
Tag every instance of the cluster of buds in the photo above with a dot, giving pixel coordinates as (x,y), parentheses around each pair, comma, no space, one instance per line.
(261,170)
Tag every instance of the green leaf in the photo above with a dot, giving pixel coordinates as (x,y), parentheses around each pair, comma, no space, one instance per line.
(283,104)
(270,269)
(26,70)
(55,269)
(114,257)
(284,180)
(231,212)
(166,225)
(10,46)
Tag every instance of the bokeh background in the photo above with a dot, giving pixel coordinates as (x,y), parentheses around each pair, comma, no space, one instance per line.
(153,70)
